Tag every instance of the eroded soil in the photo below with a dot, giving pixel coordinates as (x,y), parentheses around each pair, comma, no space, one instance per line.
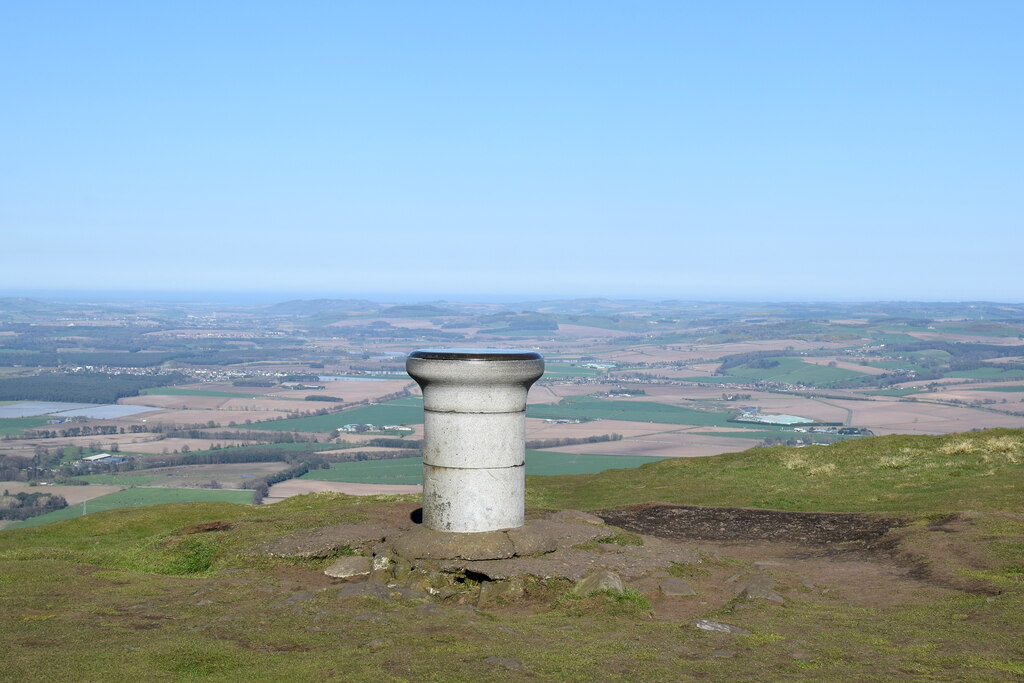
(855,558)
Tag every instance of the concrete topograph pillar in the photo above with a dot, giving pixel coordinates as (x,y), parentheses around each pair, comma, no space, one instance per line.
(474,442)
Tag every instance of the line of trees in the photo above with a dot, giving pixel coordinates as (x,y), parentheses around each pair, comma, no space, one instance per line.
(23,505)
(262,486)
(572,441)
(81,387)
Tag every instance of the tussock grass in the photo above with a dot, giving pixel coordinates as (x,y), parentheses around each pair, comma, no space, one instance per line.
(129,595)
(892,474)
(150,539)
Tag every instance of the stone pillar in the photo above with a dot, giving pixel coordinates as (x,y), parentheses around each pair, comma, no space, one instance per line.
(474,441)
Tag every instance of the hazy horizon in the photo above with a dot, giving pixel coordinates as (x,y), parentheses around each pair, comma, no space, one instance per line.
(256,298)
(791,151)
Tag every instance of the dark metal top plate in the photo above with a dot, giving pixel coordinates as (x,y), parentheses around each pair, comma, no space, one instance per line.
(475,354)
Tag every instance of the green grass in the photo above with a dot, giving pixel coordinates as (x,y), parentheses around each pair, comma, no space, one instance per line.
(588,407)
(129,594)
(137,497)
(987,373)
(893,338)
(892,474)
(1014,389)
(980,329)
(13,426)
(410,470)
(794,371)
(402,411)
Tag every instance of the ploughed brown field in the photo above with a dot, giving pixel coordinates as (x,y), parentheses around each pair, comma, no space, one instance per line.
(298,487)
(846,365)
(889,416)
(678,443)
(971,338)
(689,352)
(537,428)
(158,446)
(228,475)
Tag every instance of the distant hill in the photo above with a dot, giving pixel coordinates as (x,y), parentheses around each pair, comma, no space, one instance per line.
(318,306)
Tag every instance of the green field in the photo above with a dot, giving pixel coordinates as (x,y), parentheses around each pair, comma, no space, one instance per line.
(1012,389)
(892,392)
(138,497)
(401,411)
(898,365)
(12,426)
(893,338)
(410,470)
(552,369)
(588,407)
(987,373)
(794,371)
(934,354)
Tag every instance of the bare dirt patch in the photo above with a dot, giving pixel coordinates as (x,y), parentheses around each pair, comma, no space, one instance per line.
(818,556)
(698,523)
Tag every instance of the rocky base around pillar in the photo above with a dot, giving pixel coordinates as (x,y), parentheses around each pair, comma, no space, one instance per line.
(553,557)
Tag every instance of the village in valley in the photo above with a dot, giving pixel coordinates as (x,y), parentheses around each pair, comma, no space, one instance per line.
(112,405)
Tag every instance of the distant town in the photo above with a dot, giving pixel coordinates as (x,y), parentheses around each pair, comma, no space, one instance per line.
(225,402)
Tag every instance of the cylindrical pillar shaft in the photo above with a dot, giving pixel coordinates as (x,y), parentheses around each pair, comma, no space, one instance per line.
(474,438)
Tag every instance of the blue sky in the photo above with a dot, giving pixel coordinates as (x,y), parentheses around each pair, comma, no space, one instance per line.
(733,150)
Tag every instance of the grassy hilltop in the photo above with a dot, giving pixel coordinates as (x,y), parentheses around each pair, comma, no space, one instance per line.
(158,593)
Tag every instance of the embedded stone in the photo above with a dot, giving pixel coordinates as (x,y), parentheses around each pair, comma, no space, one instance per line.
(346,567)
(760,587)
(499,593)
(597,581)
(719,627)
(327,541)
(424,543)
(534,538)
